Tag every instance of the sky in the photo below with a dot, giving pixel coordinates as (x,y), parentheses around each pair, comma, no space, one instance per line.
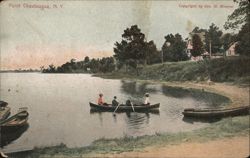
(33,35)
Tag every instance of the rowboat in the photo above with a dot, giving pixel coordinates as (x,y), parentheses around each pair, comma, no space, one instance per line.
(15,122)
(216,113)
(125,108)
(4,113)
(3,103)
(8,137)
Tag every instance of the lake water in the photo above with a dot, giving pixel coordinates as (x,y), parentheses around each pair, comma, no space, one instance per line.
(59,110)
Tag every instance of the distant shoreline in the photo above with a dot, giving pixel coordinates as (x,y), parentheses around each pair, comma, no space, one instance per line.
(18,71)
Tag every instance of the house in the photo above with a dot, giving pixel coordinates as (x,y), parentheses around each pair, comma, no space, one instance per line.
(231,50)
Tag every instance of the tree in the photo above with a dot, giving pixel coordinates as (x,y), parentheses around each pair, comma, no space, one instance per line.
(86,59)
(227,40)
(174,48)
(107,64)
(243,47)
(42,68)
(241,17)
(152,55)
(212,36)
(52,68)
(198,47)
(132,50)
(72,61)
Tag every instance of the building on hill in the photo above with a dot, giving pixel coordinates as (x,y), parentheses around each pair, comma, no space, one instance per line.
(231,50)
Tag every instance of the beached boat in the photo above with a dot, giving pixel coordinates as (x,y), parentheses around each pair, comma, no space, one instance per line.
(216,113)
(4,110)
(124,108)
(15,122)
(8,137)
(3,103)
(4,113)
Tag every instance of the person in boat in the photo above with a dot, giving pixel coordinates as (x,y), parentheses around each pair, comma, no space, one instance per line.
(146,101)
(100,100)
(115,102)
(128,103)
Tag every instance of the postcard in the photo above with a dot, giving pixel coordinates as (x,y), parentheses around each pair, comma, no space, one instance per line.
(128,78)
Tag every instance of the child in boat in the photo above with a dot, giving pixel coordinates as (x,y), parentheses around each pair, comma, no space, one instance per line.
(114,102)
(146,102)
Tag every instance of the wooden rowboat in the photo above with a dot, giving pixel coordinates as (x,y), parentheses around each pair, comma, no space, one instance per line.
(4,112)
(216,113)
(15,122)
(3,103)
(124,108)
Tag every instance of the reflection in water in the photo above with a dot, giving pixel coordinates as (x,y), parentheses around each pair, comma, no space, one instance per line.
(200,95)
(96,111)
(100,118)
(7,138)
(137,90)
(137,122)
(203,120)
(176,92)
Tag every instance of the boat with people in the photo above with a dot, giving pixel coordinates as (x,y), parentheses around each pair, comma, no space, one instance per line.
(125,108)
(15,122)
(216,113)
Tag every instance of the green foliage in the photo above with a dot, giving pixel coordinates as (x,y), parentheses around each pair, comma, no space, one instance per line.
(152,55)
(198,47)
(174,48)
(86,59)
(241,17)
(220,70)
(243,44)
(227,40)
(134,49)
(50,69)
(213,35)
(94,65)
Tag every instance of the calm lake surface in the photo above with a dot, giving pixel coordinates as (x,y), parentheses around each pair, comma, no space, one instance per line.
(59,108)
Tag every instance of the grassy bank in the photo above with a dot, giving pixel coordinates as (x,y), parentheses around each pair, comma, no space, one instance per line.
(228,127)
(233,69)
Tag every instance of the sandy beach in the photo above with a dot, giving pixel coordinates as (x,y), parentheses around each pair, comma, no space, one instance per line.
(224,148)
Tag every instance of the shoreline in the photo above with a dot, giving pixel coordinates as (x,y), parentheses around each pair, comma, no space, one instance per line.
(238,94)
(215,148)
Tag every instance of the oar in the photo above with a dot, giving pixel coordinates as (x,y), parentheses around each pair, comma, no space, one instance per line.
(116,109)
(132,107)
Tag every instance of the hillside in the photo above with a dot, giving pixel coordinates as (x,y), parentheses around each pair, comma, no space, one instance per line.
(233,69)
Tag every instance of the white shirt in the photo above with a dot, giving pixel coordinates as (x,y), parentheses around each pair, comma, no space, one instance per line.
(146,100)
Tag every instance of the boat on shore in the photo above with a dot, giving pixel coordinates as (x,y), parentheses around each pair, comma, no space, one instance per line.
(4,110)
(15,122)
(3,103)
(4,113)
(125,108)
(216,113)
